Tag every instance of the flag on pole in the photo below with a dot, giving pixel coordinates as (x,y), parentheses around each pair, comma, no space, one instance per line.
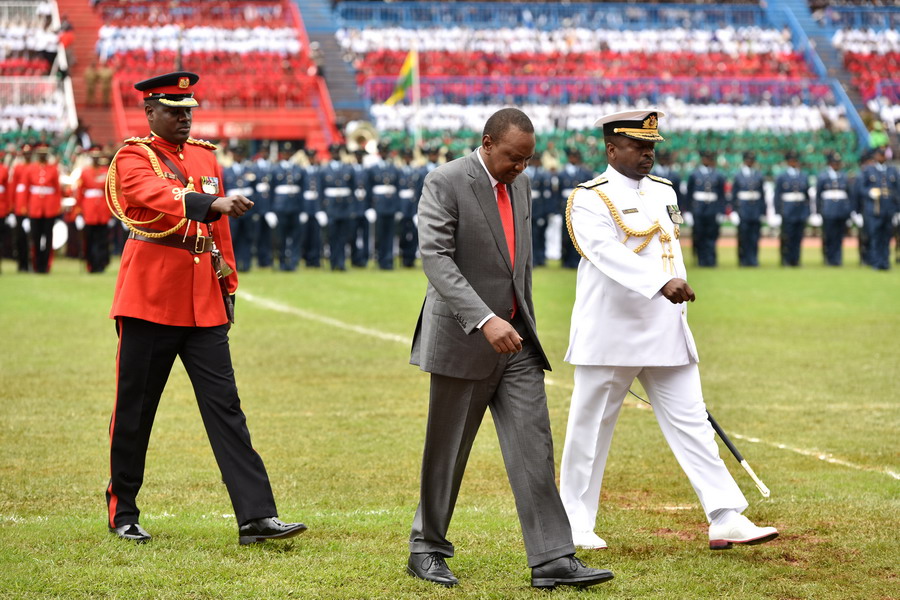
(407,78)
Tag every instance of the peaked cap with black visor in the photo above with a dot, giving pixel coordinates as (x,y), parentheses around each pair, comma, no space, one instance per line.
(634,124)
(172,89)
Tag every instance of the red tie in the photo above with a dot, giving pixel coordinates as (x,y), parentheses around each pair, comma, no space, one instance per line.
(506,217)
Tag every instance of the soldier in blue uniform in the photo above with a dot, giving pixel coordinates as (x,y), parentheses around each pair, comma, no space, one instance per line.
(363,214)
(286,187)
(242,177)
(265,239)
(748,201)
(834,204)
(337,185)
(706,197)
(312,215)
(570,176)
(541,209)
(382,183)
(409,189)
(792,204)
(857,195)
(880,196)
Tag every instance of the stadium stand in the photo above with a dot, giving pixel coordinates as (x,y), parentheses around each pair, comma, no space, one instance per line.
(257,77)
(720,73)
(34,104)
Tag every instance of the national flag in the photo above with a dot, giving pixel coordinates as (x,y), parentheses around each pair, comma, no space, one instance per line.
(405,80)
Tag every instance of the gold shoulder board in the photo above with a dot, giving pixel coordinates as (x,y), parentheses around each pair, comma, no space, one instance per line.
(661,180)
(203,143)
(593,183)
(138,140)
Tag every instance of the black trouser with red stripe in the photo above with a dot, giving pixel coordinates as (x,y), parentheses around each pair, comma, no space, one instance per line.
(145,357)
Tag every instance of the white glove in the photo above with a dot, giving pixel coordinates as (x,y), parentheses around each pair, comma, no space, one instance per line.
(857,219)
(721,219)
(416,220)
(11,220)
(734,218)
(304,218)
(26,225)
(775,221)
(814,220)
(79,222)
(272,220)
(370,215)
(688,219)
(896,219)
(398,216)
(322,218)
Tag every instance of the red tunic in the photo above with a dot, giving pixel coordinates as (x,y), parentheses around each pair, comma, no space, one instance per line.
(89,197)
(165,285)
(5,204)
(42,190)
(18,191)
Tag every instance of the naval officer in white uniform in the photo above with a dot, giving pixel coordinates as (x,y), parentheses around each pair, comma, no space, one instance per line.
(630,321)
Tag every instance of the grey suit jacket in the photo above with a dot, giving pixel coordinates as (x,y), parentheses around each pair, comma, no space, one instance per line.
(466,259)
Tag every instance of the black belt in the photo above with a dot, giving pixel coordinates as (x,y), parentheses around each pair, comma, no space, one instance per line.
(195,244)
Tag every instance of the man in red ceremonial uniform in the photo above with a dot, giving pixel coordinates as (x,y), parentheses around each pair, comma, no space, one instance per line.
(43,198)
(18,204)
(173,298)
(92,209)
(4,200)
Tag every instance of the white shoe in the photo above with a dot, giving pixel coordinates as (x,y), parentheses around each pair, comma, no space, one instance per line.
(739,530)
(588,540)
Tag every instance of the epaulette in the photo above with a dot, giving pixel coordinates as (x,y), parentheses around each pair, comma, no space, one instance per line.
(661,180)
(139,140)
(203,143)
(593,183)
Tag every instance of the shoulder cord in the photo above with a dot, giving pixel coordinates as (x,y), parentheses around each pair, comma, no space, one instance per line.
(656,229)
(112,200)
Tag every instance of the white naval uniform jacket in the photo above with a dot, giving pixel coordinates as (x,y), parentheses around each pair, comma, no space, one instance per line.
(620,318)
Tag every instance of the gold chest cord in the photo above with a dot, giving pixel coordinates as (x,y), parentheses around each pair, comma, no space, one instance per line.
(112,200)
(668,257)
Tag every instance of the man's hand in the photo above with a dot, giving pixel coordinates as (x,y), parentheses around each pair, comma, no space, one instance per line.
(232,206)
(678,291)
(502,336)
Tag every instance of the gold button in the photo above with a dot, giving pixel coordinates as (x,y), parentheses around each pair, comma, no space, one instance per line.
(181,156)
(196,260)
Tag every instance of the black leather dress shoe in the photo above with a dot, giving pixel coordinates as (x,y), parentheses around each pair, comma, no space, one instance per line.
(567,570)
(132,531)
(267,528)
(430,566)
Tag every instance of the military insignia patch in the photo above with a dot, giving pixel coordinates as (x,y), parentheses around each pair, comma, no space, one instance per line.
(675,214)
(169,175)
(629,211)
(209,185)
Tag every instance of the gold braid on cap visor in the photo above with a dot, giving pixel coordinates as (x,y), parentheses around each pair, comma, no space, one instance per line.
(650,135)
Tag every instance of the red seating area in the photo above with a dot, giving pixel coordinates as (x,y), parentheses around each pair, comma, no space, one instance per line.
(257,79)
(868,70)
(23,66)
(605,63)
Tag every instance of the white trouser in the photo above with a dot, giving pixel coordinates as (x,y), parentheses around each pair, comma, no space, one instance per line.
(677,402)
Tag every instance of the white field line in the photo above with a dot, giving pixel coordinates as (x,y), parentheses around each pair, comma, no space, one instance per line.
(824,456)
(311,316)
(392,337)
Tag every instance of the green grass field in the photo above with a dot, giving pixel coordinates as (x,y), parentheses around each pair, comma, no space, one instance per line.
(802,366)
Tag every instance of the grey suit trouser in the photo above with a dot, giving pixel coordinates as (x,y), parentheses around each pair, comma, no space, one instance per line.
(515,394)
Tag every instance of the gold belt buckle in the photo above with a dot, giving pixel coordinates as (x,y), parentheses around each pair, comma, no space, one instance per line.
(200,244)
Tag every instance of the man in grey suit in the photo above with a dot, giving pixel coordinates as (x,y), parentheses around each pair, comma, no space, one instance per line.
(477,338)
